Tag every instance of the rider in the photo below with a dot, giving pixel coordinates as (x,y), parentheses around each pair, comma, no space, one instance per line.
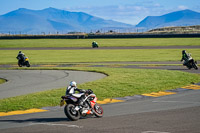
(185,57)
(94,44)
(20,56)
(71,91)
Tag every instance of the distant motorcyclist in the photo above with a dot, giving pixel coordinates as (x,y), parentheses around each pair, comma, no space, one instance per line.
(21,56)
(95,44)
(22,60)
(72,88)
(189,62)
(185,57)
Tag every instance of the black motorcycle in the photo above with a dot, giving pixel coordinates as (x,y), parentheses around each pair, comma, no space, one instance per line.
(24,62)
(192,64)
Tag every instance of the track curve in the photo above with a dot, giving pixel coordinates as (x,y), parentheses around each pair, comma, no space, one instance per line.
(21,82)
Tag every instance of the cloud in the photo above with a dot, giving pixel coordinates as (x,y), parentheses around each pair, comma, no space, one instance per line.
(131,14)
(157,5)
(182,7)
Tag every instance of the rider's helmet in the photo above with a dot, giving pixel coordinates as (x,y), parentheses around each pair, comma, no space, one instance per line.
(73,83)
(183,52)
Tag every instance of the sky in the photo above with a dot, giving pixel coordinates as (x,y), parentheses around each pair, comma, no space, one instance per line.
(127,11)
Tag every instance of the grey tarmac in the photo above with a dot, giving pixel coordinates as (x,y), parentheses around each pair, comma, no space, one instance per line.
(21,82)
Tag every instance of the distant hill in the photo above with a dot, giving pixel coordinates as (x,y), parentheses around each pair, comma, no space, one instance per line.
(179,18)
(53,20)
(195,29)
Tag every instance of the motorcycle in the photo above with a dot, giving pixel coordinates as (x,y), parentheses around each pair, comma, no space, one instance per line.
(24,62)
(94,45)
(191,63)
(73,110)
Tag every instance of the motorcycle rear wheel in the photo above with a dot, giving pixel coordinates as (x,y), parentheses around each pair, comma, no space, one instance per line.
(71,113)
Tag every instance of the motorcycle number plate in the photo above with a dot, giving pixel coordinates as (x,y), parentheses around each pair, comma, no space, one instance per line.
(62,102)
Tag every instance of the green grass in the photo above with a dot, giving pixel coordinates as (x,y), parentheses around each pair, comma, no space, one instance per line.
(96,55)
(19,43)
(120,82)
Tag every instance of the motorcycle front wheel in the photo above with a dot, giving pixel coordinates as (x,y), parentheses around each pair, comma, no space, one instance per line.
(195,66)
(19,64)
(28,64)
(71,113)
(98,110)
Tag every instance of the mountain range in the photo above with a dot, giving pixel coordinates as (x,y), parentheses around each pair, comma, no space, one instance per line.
(51,20)
(178,18)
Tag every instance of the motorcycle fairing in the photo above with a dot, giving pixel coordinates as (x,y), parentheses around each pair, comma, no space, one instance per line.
(73,98)
(26,59)
(78,95)
(93,102)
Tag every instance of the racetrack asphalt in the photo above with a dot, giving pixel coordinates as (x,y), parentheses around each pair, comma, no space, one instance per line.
(21,82)
(177,113)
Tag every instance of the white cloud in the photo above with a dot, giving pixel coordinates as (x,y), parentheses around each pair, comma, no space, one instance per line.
(182,7)
(131,14)
(157,5)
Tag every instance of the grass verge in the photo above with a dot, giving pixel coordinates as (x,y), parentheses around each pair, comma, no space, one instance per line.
(96,55)
(19,43)
(120,82)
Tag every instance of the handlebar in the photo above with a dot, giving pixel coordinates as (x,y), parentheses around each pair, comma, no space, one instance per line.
(89,91)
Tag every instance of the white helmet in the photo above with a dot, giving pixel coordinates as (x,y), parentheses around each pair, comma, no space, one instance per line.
(73,83)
